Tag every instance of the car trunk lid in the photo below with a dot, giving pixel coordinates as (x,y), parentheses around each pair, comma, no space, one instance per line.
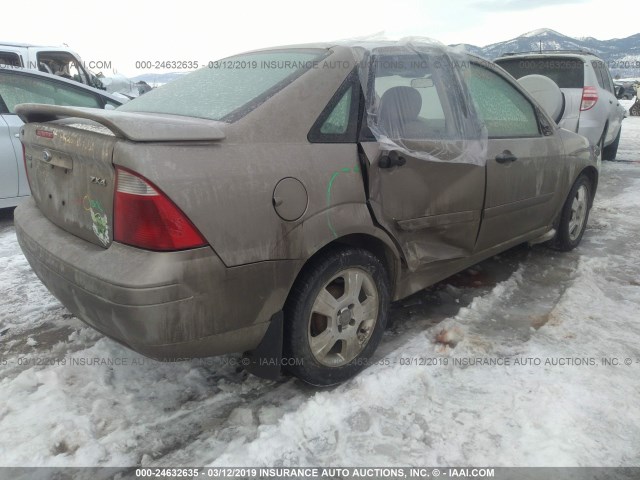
(69,160)
(72,178)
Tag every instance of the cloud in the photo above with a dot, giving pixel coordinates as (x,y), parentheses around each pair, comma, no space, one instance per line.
(513,5)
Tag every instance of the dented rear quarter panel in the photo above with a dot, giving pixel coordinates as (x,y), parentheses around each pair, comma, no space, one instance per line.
(227,188)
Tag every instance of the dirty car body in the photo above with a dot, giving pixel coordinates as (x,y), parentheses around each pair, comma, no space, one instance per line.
(185,223)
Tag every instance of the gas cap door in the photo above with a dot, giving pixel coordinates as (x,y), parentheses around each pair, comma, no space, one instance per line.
(290,199)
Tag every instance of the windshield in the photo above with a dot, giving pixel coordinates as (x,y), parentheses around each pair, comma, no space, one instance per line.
(230,88)
(566,72)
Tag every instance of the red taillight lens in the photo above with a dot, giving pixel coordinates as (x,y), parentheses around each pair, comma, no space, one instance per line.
(144,217)
(589,98)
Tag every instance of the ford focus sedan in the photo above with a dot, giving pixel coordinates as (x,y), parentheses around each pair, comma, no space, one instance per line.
(275,202)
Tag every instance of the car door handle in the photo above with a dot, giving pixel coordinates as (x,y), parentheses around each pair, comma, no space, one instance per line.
(506,157)
(391,159)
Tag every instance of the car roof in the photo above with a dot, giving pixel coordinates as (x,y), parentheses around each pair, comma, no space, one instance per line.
(32,45)
(15,44)
(37,73)
(370,44)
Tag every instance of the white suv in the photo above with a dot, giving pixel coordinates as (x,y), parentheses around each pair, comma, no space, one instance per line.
(591,107)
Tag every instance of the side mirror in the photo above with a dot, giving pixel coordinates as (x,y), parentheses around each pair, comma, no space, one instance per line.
(108,106)
(619,92)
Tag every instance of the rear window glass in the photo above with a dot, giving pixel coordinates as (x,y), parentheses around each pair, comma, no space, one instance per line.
(230,88)
(566,72)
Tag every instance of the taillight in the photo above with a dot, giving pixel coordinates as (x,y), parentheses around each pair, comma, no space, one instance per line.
(144,217)
(589,98)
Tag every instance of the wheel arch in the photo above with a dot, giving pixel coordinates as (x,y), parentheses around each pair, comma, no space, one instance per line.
(592,174)
(376,243)
(605,131)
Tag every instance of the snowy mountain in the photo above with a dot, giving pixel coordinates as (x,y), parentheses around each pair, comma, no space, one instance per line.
(621,54)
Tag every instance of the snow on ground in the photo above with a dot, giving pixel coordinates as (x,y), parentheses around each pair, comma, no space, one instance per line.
(62,405)
(627,104)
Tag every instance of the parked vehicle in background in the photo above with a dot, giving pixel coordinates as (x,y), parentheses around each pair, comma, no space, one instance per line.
(60,61)
(626,91)
(591,107)
(278,209)
(27,86)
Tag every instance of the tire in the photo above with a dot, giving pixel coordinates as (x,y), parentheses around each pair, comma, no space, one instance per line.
(574,215)
(335,316)
(610,152)
(634,111)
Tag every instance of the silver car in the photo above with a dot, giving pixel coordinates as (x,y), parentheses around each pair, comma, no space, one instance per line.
(590,104)
(26,86)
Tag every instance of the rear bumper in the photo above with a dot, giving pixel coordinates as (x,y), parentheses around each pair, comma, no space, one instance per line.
(166,305)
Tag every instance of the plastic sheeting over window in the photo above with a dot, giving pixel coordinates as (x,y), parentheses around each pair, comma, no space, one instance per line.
(417,102)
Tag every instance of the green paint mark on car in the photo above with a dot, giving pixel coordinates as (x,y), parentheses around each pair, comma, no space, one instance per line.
(329,187)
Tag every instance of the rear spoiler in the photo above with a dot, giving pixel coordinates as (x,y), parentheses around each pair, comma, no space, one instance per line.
(138,127)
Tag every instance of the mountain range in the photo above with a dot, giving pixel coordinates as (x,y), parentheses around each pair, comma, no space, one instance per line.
(622,55)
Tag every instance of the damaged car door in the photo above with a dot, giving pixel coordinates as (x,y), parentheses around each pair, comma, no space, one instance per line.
(524,159)
(426,181)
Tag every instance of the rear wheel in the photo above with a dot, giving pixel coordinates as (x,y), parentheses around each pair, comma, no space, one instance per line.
(610,152)
(574,215)
(335,316)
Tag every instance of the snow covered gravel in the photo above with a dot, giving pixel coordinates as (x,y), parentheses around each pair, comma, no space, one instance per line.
(548,320)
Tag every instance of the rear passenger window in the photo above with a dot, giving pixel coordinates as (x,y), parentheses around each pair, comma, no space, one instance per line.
(603,75)
(504,110)
(597,68)
(338,120)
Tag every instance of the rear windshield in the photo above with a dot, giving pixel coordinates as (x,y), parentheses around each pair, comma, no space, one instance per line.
(566,72)
(230,88)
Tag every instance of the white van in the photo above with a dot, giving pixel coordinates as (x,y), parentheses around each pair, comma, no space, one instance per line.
(59,61)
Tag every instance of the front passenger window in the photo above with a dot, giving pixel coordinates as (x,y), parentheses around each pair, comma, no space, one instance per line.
(504,110)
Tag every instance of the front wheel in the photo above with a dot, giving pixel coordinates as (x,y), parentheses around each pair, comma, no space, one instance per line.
(335,316)
(574,215)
